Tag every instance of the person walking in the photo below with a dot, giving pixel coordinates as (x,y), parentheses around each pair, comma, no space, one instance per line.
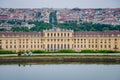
(30,53)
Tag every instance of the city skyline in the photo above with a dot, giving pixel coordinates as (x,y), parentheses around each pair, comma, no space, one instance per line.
(59,4)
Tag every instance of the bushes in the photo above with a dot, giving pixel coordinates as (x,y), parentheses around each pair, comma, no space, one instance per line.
(7,52)
(73,51)
(98,51)
(88,51)
(66,51)
(39,51)
(106,51)
(60,51)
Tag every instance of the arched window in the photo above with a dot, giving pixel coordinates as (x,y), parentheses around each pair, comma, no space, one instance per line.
(61,46)
(48,46)
(51,34)
(61,34)
(58,34)
(54,34)
(51,46)
(68,46)
(64,34)
(115,39)
(48,34)
(65,46)
(68,34)
(54,46)
(58,46)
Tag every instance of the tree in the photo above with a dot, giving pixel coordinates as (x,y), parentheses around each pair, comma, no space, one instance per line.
(38,15)
(15,22)
(20,29)
(40,26)
(2,21)
(53,18)
(2,29)
(76,9)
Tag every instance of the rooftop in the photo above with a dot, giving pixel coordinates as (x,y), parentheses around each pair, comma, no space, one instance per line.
(75,34)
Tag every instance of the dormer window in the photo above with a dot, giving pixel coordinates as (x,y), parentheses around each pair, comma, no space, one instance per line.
(112,35)
(118,35)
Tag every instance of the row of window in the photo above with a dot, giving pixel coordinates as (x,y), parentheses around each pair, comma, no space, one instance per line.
(92,46)
(24,46)
(75,41)
(0,41)
(11,46)
(30,42)
(54,46)
(62,46)
(58,34)
(58,39)
(20,42)
(0,44)
(94,40)
(32,46)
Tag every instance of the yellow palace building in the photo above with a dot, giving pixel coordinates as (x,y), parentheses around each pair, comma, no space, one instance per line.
(58,39)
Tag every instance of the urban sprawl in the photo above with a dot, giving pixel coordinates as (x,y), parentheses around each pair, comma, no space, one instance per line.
(99,15)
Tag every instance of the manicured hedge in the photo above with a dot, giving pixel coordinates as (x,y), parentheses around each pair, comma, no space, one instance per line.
(73,51)
(98,51)
(66,51)
(7,52)
(60,51)
(39,51)
(88,51)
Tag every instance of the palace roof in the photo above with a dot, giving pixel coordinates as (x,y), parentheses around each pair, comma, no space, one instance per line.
(75,34)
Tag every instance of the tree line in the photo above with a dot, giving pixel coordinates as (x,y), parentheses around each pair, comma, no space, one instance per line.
(41,25)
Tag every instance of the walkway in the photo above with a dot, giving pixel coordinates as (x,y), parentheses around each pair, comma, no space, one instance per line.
(65,54)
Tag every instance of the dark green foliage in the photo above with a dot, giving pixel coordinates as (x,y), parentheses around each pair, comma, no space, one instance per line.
(18,22)
(88,26)
(66,51)
(98,9)
(76,9)
(2,29)
(7,52)
(40,26)
(20,29)
(98,51)
(2,21)
(60,51)
(106,51)
(39,51)
(88,51)
(38,15)
(53,18)
(11,10)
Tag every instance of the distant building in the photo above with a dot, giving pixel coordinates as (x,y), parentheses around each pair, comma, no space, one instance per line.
(25,24)
(3,17)
(6,26)
(58,39)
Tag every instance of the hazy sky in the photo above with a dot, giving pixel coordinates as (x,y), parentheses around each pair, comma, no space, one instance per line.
(59,3)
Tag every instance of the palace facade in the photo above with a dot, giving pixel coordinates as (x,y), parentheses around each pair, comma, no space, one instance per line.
(58,39)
